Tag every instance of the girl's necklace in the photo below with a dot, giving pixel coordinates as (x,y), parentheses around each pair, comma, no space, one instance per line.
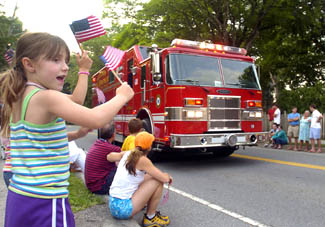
(35,84)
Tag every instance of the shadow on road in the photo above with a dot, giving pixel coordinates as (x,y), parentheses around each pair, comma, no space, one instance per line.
(202,160)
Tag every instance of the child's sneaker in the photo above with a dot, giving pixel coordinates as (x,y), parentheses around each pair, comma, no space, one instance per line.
(165,218)
(156,221)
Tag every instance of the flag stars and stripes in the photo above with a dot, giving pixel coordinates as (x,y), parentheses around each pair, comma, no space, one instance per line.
(112,57)
(87,28)
(9,55)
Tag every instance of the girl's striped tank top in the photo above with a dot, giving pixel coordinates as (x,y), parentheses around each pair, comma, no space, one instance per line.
(39,157)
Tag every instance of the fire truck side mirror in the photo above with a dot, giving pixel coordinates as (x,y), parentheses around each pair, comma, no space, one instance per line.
(155,63)
(134,70)
(156,77)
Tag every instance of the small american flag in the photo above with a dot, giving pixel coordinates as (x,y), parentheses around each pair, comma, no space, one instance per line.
(112,57)
(87,28)
(9,55)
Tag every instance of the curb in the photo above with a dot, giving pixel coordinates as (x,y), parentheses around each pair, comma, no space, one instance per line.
(110,221)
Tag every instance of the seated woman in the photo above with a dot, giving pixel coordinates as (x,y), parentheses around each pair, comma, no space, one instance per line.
(270,134)
(137,183)
(280,138)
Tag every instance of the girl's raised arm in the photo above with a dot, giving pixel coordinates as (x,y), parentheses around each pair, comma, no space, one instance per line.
(60,105)
(80,91)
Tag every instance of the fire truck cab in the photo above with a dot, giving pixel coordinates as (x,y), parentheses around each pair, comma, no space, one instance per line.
(190,95)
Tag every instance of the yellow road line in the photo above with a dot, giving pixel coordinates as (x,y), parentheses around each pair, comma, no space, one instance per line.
(279,162)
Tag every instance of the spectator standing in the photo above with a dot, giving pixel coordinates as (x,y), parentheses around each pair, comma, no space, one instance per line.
(277,114)
(293,129)
(315,128)
(99,172)
(135,126)
(280,138)
(304,130)
(271,116)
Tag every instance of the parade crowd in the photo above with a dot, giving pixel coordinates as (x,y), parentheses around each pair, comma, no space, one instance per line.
(303,129)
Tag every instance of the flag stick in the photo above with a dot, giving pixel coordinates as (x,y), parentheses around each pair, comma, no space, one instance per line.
(116,76)
(82,49)
(99,70)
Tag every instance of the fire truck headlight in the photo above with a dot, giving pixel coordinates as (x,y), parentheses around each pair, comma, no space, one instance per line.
(198,114)
(258,114)
(255,114)
(194,114)
(190,114)
(251,114)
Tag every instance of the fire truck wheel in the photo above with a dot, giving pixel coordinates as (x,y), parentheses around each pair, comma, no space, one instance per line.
(223,152)
(147,125)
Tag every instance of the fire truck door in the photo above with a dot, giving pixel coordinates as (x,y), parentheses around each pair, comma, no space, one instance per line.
(144,85)
(156,106)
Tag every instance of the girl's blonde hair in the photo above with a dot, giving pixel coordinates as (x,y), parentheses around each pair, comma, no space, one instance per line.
(12,82)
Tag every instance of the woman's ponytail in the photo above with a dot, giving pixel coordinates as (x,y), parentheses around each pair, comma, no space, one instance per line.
(133,159)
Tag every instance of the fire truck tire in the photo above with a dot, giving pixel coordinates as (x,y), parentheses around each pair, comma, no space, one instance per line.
(224,152)
(147,125)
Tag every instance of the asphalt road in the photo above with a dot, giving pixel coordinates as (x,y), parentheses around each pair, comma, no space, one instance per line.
(254,187)
(285,188)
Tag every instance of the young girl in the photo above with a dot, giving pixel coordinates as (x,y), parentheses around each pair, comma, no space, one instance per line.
(137,182)
(34,109)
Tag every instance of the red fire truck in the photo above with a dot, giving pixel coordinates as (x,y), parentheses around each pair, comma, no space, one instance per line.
(190,95)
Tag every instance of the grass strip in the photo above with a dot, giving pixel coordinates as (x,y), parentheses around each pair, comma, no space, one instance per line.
(80,197)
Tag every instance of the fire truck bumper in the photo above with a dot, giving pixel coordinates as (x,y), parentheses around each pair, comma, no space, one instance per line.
(216,140)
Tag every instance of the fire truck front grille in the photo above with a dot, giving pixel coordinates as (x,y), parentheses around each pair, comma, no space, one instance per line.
(224,113)
(218,114)
(224,124)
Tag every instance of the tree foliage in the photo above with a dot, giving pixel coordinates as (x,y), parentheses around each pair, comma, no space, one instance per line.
(11,29)
(292,54)
(303,97)
(286,36)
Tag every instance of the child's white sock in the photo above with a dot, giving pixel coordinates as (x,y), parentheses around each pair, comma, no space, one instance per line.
(151,216)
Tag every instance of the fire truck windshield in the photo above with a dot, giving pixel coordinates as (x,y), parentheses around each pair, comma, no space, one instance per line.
(239,74)
(196,70)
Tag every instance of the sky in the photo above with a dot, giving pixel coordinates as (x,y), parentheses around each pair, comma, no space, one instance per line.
(53,17)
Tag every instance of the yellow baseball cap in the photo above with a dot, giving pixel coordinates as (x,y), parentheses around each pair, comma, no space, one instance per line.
(144,140)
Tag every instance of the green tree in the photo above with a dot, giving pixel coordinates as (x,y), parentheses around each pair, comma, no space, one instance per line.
(291,53)
(285,36)
(11,29)
(235,23)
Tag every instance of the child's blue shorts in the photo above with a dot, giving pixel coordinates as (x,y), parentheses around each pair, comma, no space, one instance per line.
(120,208)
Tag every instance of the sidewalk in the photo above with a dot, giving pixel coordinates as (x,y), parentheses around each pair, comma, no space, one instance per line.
(285,147)
(99,215)
(96,216)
